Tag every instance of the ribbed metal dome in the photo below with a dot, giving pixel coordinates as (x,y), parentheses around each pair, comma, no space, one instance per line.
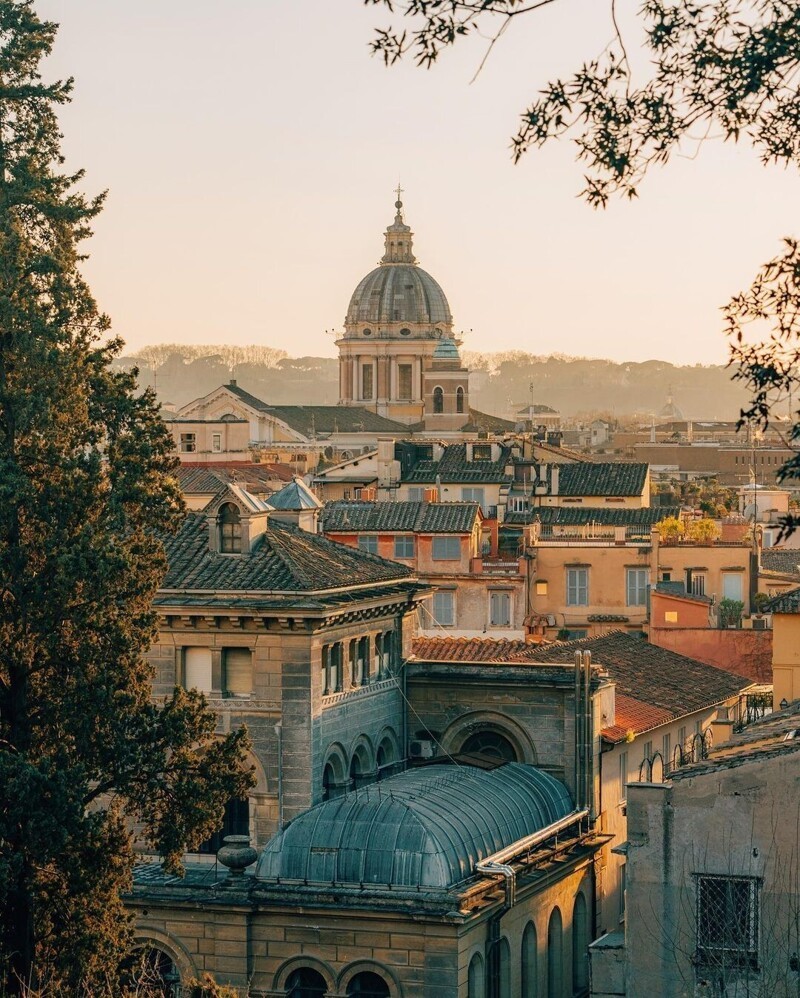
(427,827)
(398,292)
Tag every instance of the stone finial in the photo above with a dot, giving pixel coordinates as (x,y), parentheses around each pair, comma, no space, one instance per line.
(237,854)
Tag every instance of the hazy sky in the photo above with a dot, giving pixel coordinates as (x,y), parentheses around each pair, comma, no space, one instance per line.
(251,147)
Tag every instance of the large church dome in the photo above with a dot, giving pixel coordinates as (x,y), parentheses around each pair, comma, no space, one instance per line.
(398,293)
(398,297)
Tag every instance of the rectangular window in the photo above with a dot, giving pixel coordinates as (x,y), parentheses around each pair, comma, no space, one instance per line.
(446,548)
(541,588)
(366,381)
(444,608)
(666,752)
(727,921)
(188,443)
(404,382)
(473,495)
(238,663)
(368,543)
(481,452)
(216,442)
(197,669)
(695,583)
(577,587)
(636,586)
(361,676)
(732,585)
(500,609)
(332,656)
(404,546)
(517,504)
(416,493)
(623,775)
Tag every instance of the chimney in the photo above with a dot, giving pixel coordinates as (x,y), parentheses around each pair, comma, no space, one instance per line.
(554,481)
(232,382)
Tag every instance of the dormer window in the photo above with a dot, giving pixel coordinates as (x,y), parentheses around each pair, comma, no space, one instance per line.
(230,529)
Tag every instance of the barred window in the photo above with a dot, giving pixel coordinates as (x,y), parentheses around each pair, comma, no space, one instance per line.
(727,921)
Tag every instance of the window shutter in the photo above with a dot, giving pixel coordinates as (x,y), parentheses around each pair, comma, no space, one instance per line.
(197,669)
(238,672)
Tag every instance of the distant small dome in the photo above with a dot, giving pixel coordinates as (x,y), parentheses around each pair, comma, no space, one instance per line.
(446,350)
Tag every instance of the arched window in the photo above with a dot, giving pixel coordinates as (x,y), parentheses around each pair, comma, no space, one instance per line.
(528,967)
(491,744)
(438,399)
(360,770)
(504,968)
(235,821)
(334,779)
(580,946)
(154,973)
(386,758)
(306,983)
(555,956)
(475,983)
(230,529)
(459,399)
(368,985)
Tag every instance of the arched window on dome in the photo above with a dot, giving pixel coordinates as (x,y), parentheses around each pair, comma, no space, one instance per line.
(230,529)
(438,399)
(459,399)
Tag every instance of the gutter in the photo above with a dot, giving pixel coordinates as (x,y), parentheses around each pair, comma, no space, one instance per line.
(495,865)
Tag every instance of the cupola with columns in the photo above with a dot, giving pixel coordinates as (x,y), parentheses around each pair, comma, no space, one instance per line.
(397,318)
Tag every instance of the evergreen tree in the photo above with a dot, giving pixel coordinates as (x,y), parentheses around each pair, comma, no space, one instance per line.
(86,485)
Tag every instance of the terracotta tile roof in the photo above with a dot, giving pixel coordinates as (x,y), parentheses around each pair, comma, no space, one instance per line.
(785,603)
(611,478)
(199,480)
(469,650)
(454,467)
(633,715)
(653,676)
(285,560)
(418,517)
(569,516)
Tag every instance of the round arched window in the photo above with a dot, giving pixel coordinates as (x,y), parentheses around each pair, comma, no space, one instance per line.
(490,744)
(459,399)
(306,983)
(368,985)
(154,973)
(438,399)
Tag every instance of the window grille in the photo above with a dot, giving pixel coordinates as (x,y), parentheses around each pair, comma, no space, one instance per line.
(727,921)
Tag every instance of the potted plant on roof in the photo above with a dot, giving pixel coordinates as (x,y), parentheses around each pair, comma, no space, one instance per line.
(703,531)
(670,530)
(730,612)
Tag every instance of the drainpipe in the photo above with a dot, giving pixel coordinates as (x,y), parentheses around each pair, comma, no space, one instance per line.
(576,765)
(279,733)
(588,795)
(496,865)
